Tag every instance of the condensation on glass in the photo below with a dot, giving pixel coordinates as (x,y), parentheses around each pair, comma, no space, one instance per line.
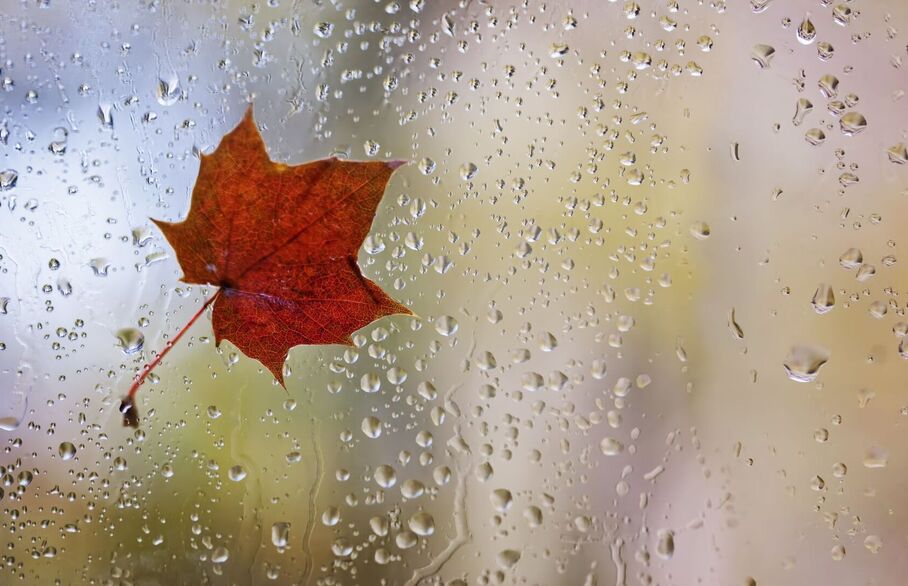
(653,251)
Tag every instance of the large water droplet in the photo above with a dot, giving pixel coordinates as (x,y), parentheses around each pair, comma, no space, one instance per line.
(876,457)
(852,123)
(823,299)
(67,451)
(851,258)
(280,534)
(665,548)
(803,109)
(130,340)
(12,410)
(807,33)
(422,524)
(829,85)
(8,179)
(168,90)
(762,55)
(898,153)
(804,361)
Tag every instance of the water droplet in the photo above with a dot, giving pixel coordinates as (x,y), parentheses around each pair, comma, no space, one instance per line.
(67,451)
(762,55)
(829,85)
(370,383)
(412,489)
(807,33)
(804,361)
(898,153)
(385,476)
(468,171)
(220,554)
(331,516)
(852,123)
(105,114)
(426,166)
(665,548)
(734,327)
(8,179)
(13,408)
(508,558)
(422,524)
(371,427)
(236,473)
(168,90)
(323,29)
(801,111)
(371,148)
(99,266)
(501,500)
(700,230)
(406,539)
(558,50)
(876,457)
(873,543)
(841,14)
(446,325)
(838,553)
(851,258)
(815,137)
(823,299)
(58,141)
(611,446)
(280,534)
(130,340)
(865,272)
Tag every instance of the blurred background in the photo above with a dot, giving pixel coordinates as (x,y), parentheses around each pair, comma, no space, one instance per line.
(653,249)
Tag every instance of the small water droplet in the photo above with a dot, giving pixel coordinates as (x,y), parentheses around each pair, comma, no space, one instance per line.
(734,327)
(323,29)
(558,50)
(105,115)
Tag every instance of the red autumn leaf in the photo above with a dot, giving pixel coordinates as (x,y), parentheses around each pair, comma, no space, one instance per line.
(280,241)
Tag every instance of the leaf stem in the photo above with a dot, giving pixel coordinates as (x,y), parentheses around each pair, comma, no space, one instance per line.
(128,406)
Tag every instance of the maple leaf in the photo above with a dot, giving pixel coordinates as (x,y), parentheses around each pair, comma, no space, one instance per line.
(280,241)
